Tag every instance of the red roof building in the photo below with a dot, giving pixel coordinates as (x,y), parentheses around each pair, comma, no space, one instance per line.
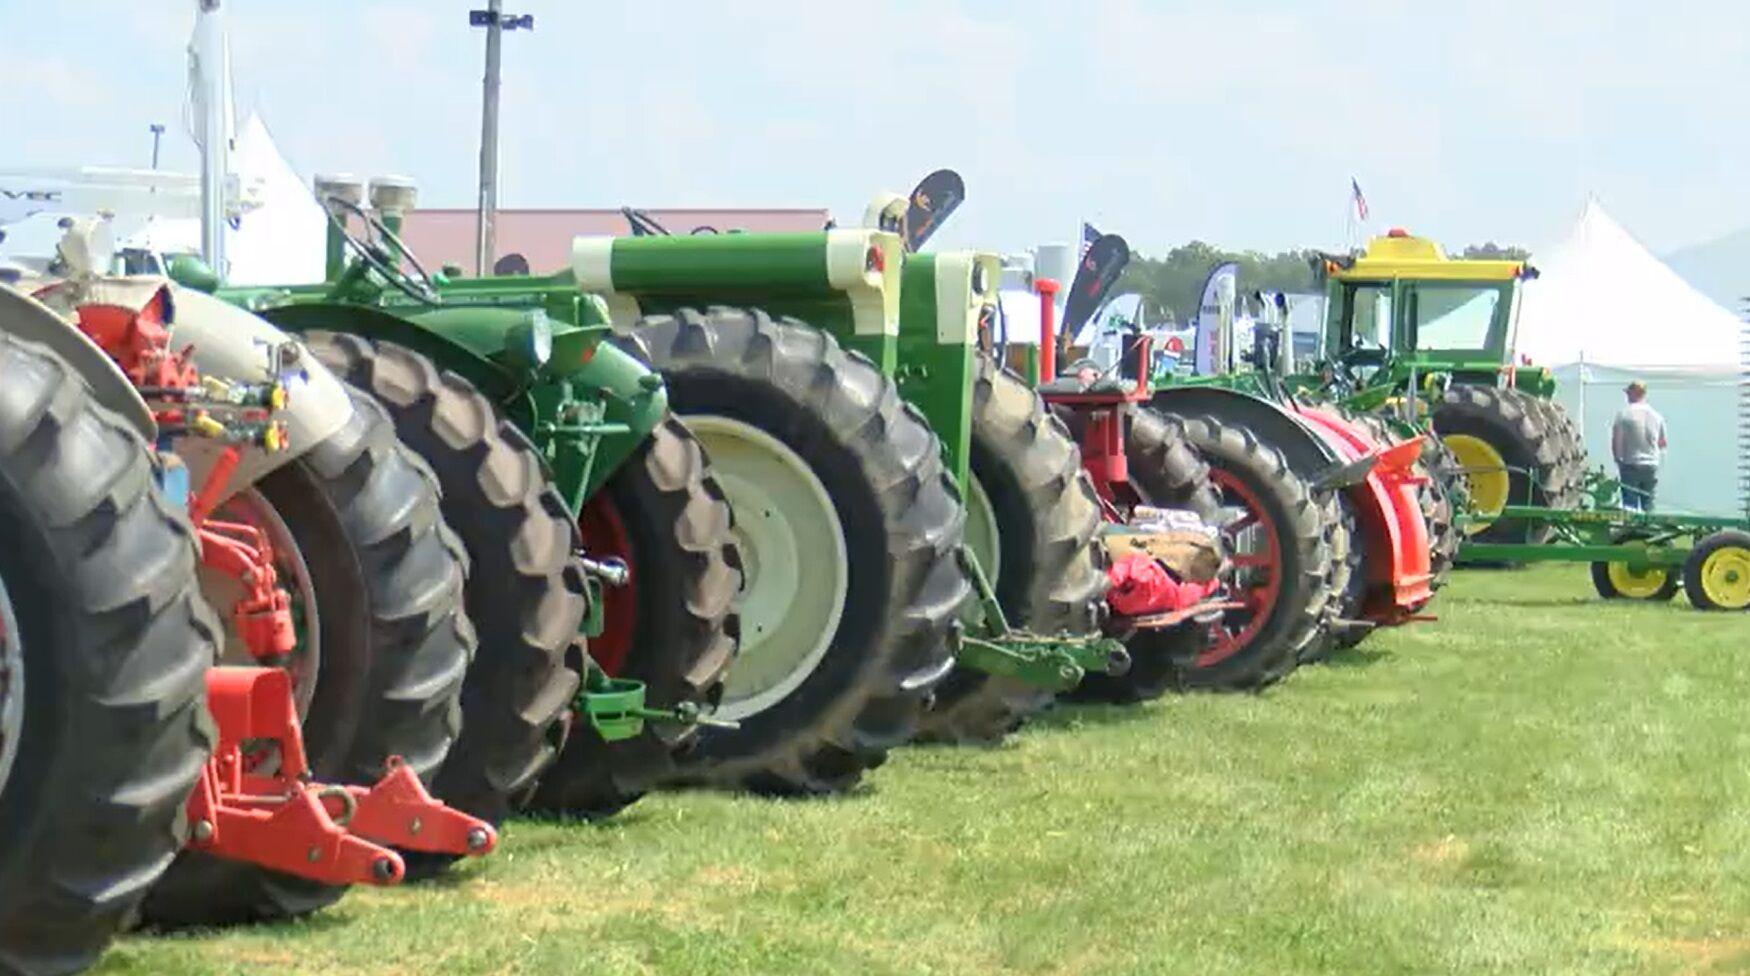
(543,237)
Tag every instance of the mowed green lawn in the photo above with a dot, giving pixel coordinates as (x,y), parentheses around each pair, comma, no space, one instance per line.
(1538,783)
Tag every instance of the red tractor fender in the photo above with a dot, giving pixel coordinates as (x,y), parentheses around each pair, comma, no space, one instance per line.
(1390,516)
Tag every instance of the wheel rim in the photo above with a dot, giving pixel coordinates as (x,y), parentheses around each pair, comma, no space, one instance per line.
(11,685)
(1488,485)
(982,538)
(1637,585)
(1254,543)
(1725,577)
(792,598)
(604,534)
(250,507)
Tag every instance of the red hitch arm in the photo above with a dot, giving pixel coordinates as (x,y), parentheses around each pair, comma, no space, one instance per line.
(282,820)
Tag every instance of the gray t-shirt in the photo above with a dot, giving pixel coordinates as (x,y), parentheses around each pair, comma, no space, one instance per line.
(1636,434)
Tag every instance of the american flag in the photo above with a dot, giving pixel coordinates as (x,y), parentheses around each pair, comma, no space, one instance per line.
(1360,201)
(1089,236)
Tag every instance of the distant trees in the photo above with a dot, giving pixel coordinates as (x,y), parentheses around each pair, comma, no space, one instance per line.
(1172,283)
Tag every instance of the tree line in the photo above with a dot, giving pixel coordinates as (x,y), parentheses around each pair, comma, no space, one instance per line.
(1173,283)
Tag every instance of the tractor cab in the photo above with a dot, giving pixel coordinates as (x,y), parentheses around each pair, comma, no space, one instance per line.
(1404,305)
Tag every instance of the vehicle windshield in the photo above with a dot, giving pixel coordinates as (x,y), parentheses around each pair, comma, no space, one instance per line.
(1455,316)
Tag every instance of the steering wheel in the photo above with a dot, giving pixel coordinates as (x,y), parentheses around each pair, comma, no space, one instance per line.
(377,251)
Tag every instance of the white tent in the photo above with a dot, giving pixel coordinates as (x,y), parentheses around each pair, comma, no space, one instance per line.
(279,239)
(1604,311)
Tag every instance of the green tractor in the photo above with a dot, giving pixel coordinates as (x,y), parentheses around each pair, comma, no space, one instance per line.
(849,416)
(548,443)
(1420,340)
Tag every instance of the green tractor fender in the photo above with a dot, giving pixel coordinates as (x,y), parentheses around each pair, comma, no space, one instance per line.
(491,349)
(1304,449)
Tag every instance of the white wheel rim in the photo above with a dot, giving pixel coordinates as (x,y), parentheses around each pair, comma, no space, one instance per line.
(983,539)
(795,571)
(11,685)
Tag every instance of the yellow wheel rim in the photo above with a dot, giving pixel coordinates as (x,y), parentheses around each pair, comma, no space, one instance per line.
(1643,585)
(1725,577)
(1485,475)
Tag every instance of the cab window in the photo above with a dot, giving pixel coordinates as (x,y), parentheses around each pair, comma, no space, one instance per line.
(1454,316)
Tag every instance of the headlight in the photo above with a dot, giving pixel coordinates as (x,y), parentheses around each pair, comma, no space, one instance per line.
(530,343)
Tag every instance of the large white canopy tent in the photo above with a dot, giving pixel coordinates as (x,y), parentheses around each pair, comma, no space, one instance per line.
(1605,311)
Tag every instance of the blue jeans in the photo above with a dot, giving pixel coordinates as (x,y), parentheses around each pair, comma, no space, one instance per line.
(1638,483)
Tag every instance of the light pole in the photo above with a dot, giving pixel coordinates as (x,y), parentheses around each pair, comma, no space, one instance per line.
(157,135)
(496,23)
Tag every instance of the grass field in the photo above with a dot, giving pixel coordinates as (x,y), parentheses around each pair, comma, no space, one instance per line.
(1538,783)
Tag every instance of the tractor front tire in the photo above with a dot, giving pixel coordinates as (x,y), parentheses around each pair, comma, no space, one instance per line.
(1034,512)
(525,594)
(104,647)
(848,526)
(672,626)
(395,643)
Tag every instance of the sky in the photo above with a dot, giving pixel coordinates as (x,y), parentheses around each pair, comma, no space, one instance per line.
(1238,123)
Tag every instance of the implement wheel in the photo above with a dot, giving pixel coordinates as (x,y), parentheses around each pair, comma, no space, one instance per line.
(1618,581)
(376,582)
(525,593)
(847,526)
(1032,518)
(672,626)
(104,647)
(1717,574)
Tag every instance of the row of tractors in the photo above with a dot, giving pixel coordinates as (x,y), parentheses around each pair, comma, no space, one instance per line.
(310,586)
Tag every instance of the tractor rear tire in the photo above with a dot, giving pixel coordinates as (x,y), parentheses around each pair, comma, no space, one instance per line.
(1050,573)
(1168,472)
(673,626)
(395,644)
(526,594)
(104,643)
(1436,500)
(1513,426)
(781,396)
(1570,449)
(1298,523)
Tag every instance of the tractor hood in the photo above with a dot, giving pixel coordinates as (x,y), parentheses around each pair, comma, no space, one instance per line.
(846,281)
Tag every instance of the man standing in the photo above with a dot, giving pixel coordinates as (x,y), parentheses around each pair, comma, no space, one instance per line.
(1636,439)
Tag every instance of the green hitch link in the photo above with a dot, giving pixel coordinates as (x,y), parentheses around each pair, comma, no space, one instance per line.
(1054,663)
(615,707)
(581,430)
(1050,663)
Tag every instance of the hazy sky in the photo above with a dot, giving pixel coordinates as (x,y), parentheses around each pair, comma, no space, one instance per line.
(1238,123)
